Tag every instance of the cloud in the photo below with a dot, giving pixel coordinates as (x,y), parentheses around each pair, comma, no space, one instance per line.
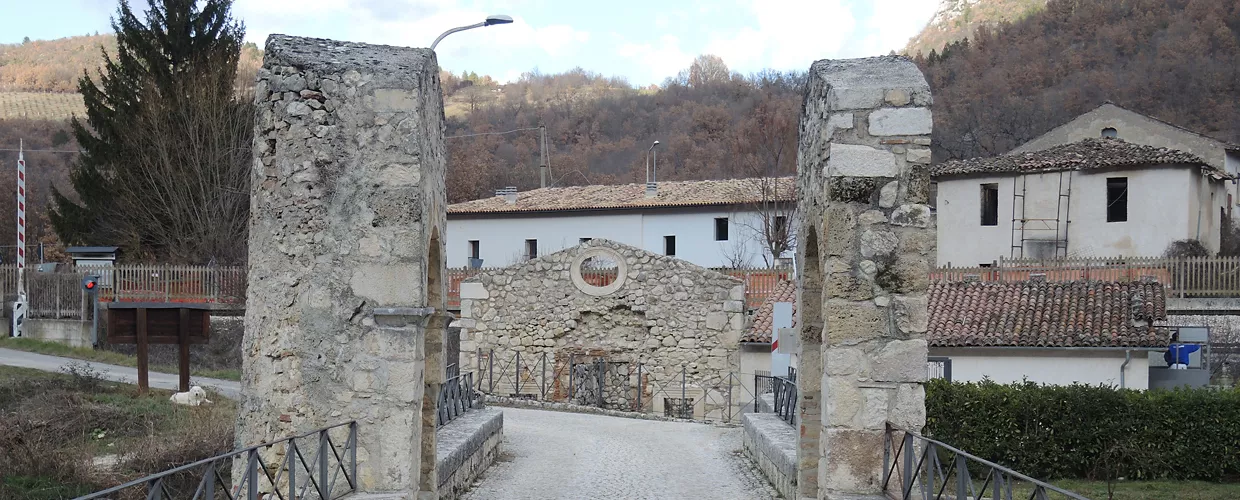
(659,60)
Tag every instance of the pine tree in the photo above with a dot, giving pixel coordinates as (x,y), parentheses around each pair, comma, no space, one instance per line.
(180,61)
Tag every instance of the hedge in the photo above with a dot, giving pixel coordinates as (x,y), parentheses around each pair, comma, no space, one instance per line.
(1090,432)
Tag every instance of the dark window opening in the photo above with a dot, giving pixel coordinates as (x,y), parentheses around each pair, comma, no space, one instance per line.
(474,251)
(721,229)
(1117,199)
(990,204)
(669,246)
(586,240)
(781,228)
(531,249)
(1109,133)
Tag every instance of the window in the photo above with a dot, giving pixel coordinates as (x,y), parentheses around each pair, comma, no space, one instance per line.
(721,229)
(669,246)
(781,228)
(531,249)
(990,204)
(1110,133)
(1117,199)
(474,252)
(585,240)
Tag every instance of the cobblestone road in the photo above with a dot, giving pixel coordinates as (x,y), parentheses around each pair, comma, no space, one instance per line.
(556,455)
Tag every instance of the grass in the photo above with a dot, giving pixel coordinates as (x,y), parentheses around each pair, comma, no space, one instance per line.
(108,357)
(1124,490)
(57,424)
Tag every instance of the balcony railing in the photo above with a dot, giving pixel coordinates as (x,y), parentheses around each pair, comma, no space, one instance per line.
(1184,277)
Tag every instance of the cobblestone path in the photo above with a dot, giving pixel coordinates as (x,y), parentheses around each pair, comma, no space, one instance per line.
(556,455)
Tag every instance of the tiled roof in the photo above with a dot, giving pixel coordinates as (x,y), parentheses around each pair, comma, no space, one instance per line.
(760,330)
(629,196)
(1081,155)
(1046,314)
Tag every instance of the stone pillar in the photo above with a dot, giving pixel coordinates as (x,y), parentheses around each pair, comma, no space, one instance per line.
(866,254)
(345,256)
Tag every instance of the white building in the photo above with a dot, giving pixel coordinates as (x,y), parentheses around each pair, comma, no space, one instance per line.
(1096,197)
(709,223)
(1087,332)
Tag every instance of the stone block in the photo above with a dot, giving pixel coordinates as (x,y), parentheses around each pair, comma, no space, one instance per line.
(734,306)
(852,160)
(911,215)
(844,98)
(897,97)
(874,412)
(840,227)
(846,362)
(908,411)
(716,320)
(854,189)
(838,121)
(474,291)
(887,196)
(918,155)
(386,284)
(843,401)
(871,217)
(900,121)
(846,286)
(852,460)
(907,274)
(850,323)
(901,361)
(878,243)
(912,314)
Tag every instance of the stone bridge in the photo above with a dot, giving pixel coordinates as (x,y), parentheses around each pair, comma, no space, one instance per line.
(345,313)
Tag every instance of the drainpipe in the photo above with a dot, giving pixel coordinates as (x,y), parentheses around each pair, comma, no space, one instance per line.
(1124,367)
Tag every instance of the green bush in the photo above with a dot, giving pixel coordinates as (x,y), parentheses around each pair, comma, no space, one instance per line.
(1091,432)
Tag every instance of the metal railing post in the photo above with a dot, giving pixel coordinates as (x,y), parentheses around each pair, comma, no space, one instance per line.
(324,449)
(639,388)
(353,455)
(572,370)
(544,376)
(517,391)
(491,371)
(962,478)
(208,487)
(683,392)
(291,450)
(906,485)
(251,473)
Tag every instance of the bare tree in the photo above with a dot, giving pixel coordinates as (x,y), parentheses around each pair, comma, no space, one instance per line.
(764,147)
(708,69)
(736,254)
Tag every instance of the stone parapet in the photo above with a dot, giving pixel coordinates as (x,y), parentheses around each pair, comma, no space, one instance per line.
(465,448)
(772,444)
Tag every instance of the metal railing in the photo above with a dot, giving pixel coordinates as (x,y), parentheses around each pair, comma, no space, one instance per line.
(1184,277)
(456,397)
(60,295)
(714,395)
(296,477)
(915,466)
(786,399)
(939,367)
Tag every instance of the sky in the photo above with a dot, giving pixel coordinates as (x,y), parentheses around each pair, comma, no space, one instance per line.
(644,41)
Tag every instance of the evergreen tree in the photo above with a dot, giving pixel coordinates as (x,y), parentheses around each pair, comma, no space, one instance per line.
(172,76)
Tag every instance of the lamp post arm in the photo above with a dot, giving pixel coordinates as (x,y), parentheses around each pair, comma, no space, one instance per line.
(454,30)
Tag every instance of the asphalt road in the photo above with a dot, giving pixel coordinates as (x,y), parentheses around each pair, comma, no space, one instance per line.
(124,374)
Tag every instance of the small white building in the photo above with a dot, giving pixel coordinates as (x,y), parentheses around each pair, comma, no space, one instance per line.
(1088,332)
(1096,197)
(718,223)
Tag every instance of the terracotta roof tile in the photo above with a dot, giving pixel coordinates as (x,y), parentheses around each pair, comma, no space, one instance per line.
(1081,155)
(1047,314)
(760,330)
(631,196)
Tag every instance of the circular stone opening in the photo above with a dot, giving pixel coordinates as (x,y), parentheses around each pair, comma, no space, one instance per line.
(599,271)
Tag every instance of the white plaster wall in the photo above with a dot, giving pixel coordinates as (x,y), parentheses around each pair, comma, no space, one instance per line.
(502,239)
(1047,366)
(754,358)
(1163,207)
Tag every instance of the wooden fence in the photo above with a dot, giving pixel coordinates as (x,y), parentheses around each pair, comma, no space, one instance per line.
(59,294)
(1184,277)
(759,282)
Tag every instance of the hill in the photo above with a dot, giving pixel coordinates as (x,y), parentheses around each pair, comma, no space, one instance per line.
(56,106)
(959,19)
(1176,60)
(56,65)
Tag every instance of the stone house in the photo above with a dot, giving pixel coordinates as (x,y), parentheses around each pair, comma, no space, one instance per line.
(711,223)
(1096,197)
(603,305)
(1088,332)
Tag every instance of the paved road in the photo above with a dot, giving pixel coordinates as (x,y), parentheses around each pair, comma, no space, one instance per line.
(554,455)
(124,374)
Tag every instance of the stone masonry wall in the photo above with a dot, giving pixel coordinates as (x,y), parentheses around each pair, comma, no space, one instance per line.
(662,312)
(347,198)
(868,244)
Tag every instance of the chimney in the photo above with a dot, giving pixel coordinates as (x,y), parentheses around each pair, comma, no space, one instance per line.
(652,189)
(509,193)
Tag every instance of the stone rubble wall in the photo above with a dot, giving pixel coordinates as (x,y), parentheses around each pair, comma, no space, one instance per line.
(667,315)
(347,192)
(466,447)
(868,242)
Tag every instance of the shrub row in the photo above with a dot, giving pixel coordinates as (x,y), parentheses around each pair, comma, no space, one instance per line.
(1090,432)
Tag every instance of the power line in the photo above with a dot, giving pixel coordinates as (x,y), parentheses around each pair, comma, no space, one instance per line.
(491,133)
(42,150)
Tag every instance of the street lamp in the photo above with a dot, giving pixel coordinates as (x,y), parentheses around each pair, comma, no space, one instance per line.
(656,163)
(491,20)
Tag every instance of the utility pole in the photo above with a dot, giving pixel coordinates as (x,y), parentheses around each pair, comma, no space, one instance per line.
(19,305)
(543,167)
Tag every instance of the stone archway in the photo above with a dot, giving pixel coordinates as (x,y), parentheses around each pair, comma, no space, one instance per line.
(864,264)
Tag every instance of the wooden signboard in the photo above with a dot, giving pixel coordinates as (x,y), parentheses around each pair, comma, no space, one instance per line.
(144,323)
